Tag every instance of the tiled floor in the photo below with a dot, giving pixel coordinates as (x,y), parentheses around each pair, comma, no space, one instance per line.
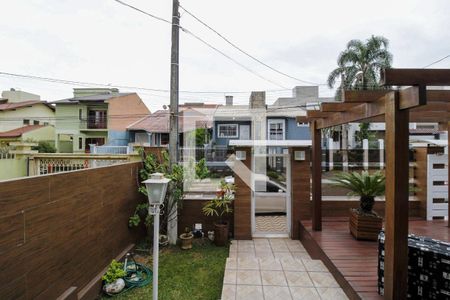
(271,224)
(271,269)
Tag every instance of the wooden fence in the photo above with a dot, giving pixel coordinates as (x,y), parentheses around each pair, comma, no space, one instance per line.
(60,231)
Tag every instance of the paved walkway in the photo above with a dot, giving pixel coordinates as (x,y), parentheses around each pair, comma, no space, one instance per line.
(271,269)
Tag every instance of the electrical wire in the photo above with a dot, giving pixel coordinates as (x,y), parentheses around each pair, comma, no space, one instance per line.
(437,61)
(199,39)
(245,52)
(142,11)
(230,58)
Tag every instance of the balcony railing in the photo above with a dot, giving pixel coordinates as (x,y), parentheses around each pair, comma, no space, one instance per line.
(94,123)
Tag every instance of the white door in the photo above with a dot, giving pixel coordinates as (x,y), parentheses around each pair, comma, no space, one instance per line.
(244,132)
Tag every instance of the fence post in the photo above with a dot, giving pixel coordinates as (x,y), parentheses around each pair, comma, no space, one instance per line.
(366,154)
(330,152)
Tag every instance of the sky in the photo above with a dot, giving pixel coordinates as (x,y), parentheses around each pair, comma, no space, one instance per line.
(104,42)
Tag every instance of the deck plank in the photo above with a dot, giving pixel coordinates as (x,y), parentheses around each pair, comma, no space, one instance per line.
(357,260)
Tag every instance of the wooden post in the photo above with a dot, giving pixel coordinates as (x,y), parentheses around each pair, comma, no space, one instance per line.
(448,169)
(316,172)
(396,211)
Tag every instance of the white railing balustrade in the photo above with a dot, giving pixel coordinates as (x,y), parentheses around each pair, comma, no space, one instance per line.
(110,149)
(7,156)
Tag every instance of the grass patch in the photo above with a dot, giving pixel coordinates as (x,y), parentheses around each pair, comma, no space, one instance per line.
(186,274)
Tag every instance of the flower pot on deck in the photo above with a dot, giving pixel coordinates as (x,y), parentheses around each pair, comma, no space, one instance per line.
(365,226)
(221,234)
(186,240)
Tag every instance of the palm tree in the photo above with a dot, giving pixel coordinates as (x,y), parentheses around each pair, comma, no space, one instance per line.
(365,185)
(359,65)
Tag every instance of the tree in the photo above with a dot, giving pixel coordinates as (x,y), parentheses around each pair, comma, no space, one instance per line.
(359,65)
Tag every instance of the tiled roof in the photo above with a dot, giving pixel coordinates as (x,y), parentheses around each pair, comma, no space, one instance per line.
(19,131)
(93,98)
(189,119)
(16,105)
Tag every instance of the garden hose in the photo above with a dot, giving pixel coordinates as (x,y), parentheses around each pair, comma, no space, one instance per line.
(142,277)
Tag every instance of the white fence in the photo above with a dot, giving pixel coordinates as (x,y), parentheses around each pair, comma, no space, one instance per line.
(7,156)
(49,164)
(437,186)
(111,149)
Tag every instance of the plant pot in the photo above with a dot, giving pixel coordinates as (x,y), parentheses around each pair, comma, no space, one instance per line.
(365,226)
(115,287)
(221,234)
(186,240)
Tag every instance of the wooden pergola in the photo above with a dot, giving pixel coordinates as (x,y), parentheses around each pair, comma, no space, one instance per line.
(395,107)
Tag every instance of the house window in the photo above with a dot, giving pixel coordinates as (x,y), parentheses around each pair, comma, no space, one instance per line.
(26,122)
(276,129)
(164,138)
(141,138)
(35,122)
(227,130)
(80,114)
(80,143)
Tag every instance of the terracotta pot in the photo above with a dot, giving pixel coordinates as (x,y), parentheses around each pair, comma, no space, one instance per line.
(221,234)
(186,240)
(365,226)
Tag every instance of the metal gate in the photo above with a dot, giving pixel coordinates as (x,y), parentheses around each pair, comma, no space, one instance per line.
(271,195)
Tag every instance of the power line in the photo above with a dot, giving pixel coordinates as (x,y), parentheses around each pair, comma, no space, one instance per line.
(245,52)
(435,62)
(142,11)
(229,57)
(85,83)
(199,39)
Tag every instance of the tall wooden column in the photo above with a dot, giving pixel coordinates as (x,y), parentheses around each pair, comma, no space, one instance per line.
(316,159)
(396,211)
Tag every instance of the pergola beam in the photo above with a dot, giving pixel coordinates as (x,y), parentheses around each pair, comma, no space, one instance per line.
(423,77)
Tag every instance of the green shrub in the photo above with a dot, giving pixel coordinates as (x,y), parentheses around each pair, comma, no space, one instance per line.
(115,271)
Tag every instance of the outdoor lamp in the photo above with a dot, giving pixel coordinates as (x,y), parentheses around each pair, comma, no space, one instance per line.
(156,187)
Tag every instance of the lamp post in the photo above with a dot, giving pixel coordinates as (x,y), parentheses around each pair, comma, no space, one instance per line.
(156,187)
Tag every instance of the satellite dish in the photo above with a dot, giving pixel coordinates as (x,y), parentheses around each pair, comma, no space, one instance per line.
(164,106)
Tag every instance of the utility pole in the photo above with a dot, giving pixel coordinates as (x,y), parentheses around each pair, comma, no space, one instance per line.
(172,227)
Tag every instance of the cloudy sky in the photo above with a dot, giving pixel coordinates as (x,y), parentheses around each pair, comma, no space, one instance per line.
(104,42)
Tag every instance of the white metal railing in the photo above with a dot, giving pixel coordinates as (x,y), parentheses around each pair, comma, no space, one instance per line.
(437,186)
(110,149)
(49,164)
(7,156)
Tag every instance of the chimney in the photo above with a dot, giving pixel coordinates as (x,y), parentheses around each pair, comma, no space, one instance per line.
(229,100)
(258,100)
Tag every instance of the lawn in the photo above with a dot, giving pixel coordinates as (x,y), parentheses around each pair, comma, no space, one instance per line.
(186,274)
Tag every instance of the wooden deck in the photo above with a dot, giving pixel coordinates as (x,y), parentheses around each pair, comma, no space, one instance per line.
(355,262)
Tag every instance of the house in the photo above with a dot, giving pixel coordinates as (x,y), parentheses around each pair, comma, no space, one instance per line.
(35,133)
(19,109)
(97,116)
(153,130)
(260,121)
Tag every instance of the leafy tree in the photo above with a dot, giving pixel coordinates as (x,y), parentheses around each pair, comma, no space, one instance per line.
(201,169)
(174,195)
(45,147)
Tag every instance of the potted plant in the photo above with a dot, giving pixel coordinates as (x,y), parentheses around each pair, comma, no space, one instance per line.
(186,239)
(365,224)
(220,206)
(113,282)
